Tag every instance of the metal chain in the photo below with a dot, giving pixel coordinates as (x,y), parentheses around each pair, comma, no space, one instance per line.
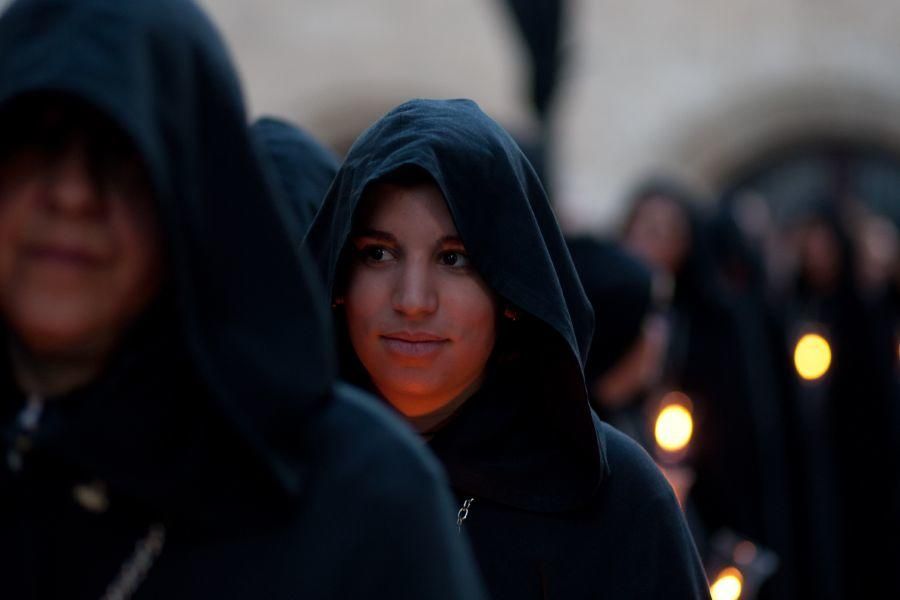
(463,513)
(135,569)
(146,550)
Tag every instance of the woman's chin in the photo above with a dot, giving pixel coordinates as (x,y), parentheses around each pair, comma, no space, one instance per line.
(54,338)
(414,401)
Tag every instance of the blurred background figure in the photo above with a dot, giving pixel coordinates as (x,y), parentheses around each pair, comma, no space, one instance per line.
(628,348)
(832,210)
(303,167)
(711,361)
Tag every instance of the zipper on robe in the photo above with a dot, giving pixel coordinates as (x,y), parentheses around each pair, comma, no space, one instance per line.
(463,513)
(26,424)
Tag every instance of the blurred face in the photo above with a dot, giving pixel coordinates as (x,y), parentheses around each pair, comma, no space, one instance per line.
(80,251)
(420,319)
(878,247)
(659,233)
(820,256)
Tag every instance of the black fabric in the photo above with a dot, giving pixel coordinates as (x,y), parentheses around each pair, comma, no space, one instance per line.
(218,416)
(305,168)
(631,542)
(620,289)
(526,445)
(770,386)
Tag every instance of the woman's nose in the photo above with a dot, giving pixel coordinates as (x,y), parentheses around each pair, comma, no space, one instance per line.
(415,293)
(71,187)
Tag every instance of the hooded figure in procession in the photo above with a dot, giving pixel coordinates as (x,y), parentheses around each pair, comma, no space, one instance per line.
(170,425)
(457,302)
(625,360)
(304,167)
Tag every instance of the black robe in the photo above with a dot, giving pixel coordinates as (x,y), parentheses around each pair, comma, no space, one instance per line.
(564,506)
(216,448)
(304,167)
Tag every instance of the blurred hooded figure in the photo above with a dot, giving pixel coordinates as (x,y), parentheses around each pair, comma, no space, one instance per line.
(771,381)
(303,166)
(627,356)
(707,358)
(459,304)
(170,424)
(628,348)
(844,422)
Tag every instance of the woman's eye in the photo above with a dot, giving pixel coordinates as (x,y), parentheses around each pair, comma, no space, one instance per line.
(375,254)
(454,259)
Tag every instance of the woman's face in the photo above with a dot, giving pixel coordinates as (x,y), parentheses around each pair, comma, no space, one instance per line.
(80,248)
(659,233)
(420,318)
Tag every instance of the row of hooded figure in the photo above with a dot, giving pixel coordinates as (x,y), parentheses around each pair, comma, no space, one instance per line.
(233,367)
(771,403)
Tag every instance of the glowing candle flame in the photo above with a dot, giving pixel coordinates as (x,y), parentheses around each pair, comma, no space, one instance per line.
(728,585)
(812,356)
(674,427)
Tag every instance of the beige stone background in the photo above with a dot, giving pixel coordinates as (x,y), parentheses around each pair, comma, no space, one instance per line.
(698,88)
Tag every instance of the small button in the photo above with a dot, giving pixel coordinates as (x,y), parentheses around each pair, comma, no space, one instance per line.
(92,497)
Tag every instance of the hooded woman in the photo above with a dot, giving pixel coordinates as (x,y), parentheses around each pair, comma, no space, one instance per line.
(459,305)
(304,167)
(706,359)
(169,421)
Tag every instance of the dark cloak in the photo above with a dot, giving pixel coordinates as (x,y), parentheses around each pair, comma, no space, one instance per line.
(303,166)
(565,507)
(770,384)
(219,416)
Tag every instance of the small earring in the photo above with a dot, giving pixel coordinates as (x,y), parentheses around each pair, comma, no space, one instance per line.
(337,302)
(511,313)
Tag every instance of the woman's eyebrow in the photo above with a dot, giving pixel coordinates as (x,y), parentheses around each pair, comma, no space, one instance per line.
(450,240)
(377,234)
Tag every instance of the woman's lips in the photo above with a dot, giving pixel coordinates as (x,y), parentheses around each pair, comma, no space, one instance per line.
(63,255)
(414,345)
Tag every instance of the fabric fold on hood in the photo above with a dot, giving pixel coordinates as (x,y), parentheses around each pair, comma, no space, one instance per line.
(250,329)
(528,437)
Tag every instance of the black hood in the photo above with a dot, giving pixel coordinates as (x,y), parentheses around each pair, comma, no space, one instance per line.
(251,326)
(527,438)
(305,168)
(621,292)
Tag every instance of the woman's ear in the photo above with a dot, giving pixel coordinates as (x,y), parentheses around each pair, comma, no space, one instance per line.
(511,313)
